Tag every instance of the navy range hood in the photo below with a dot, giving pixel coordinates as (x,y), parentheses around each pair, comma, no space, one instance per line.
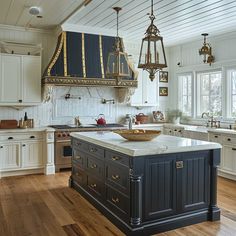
(81,59)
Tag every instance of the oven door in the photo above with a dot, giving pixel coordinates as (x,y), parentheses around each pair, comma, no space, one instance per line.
(63,152)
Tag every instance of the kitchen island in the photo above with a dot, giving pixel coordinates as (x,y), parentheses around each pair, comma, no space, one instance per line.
(147,187)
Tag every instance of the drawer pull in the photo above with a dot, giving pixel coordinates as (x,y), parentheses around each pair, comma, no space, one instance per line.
(23,145)
(93,185)
(115,200)
(179,164)
(77,157)
(234,149)
(93,149)
(93,166)
(32,136)
(10,138)
(115,177)
(115,158)
(216,136)
(229,139)
(1,147)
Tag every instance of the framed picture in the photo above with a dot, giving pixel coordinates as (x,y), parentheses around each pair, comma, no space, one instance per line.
(163,91)
(163,76)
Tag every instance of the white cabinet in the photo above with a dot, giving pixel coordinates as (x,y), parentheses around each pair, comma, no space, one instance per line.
(146,93)
(10,156)
(20,152)
(20,80)
(174,131)
(227,166)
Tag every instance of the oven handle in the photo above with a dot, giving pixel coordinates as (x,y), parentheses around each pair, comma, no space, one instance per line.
(63,141)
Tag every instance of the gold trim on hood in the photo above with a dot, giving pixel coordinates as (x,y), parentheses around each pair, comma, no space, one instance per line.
(65,53)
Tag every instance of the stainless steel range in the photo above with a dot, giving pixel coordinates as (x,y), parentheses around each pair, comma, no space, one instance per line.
(62,146)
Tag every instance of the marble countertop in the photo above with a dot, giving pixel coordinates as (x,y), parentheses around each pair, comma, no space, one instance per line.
(161,144)
(19,130)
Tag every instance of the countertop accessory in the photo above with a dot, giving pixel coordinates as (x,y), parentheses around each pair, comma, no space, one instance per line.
(8,124)
(152,54)
(141,118)
(101,119)
(138,134)
(158,116)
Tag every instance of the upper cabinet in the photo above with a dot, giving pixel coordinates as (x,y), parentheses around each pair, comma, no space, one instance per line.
(146,93)
(20,80)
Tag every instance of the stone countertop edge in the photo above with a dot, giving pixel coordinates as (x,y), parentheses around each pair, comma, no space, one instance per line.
(19,130)
(163,144)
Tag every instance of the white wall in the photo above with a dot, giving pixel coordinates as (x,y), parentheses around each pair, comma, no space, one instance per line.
(60,111)
(223,48)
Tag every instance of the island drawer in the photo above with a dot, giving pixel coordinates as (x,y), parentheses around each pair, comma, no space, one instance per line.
(95,186)
(77,144)
(96,151)
(95,166)
(118,202)
(118,177)
(116,158)
(78,175)
(79,159)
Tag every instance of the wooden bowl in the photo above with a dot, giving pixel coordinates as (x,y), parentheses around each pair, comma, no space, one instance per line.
(138,134)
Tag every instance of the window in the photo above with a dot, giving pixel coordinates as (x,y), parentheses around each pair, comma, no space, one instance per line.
(232,89)
(209,93)
(185,94)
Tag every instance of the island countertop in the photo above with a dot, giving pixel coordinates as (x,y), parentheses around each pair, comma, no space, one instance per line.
(161,144)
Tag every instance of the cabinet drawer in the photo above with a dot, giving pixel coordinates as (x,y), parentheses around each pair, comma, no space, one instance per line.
(116,158)
(118,177)
(79,159)
(78,175)
(228,140)
(77,144)
(95,186)
(215,138)
(21,137)
(96,151)
(117,201)
(95,167)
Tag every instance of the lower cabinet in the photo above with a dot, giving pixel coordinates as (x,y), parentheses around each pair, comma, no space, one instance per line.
(21,152)
(148,194)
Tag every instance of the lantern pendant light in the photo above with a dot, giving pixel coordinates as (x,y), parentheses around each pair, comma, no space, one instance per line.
(152,54)
(206,51)
(117,63)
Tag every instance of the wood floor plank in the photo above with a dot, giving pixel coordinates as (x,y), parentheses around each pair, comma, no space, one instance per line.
(39,205)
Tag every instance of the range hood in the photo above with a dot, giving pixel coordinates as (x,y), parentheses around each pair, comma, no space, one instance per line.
(80,60)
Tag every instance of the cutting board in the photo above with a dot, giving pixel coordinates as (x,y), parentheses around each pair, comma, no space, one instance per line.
(8,124)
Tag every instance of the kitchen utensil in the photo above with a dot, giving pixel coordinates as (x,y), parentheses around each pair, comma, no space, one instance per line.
(101,119)
(142,118)
(138,134)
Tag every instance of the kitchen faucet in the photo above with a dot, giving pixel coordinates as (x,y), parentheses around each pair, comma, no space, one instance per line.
(212,121)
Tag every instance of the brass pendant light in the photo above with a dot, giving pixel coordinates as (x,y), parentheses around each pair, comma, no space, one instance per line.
(206,51)
(117,64)
(152,54)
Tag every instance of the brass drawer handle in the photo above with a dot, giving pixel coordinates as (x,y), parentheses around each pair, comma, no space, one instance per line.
(115,158)
(179,164)
(115,177)
(93,166)
(93,185)
(77,157)
(115,200)
(93,149)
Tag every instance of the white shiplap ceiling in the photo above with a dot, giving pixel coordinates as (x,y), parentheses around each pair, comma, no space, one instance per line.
(178,20)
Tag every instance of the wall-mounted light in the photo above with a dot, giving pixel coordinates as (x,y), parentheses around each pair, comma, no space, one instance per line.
(152,54)
(206,51)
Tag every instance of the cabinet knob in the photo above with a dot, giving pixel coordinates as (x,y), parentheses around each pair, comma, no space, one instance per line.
(146,102)
(93,185)
(10,138)
(115,158)
(1,146)
(93,166)
(115,177)
(23,145)
(20,100)
(229,139)
(216,136)
(32,136)
(115,200)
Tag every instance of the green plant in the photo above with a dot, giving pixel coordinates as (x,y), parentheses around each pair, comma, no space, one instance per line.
(174,114)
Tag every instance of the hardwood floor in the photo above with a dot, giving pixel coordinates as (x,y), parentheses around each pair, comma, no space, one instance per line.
(45,205)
